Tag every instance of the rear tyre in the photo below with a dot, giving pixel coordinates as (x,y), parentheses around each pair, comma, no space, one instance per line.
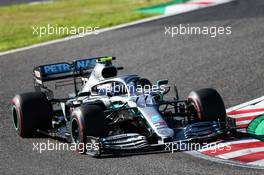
(31,111)
(87,120)
(208,104)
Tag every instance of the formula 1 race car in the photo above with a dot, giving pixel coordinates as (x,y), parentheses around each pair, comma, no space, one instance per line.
(115,113)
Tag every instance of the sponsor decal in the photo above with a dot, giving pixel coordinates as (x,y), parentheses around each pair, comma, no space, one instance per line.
(85,64)
(56,68)
(156,119)
(66,67)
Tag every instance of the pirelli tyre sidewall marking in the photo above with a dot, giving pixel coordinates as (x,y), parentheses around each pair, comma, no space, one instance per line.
(17,121)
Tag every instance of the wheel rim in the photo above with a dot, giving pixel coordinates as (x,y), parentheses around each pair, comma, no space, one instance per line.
(195,110)
(75,130)
(15,118)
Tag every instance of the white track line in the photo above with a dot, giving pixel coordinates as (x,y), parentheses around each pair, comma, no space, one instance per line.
(245,104)
(258,162)
(222,145)
(243,122)
(242,152)
(246,114)
(224,161)
(193,5)
(258,105)
(84,35)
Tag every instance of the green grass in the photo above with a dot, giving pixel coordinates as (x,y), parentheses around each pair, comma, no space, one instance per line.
(17,21)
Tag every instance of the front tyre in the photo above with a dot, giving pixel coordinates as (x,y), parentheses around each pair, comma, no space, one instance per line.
(87,120)
(208,104)
(30,112)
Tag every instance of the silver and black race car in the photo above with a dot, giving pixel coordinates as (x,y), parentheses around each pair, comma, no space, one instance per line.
(115,113)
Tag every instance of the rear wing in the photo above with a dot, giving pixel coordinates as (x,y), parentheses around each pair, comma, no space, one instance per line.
(64,70)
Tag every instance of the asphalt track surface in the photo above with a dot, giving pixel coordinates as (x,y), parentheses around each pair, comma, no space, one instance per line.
(12,2)
(232,64)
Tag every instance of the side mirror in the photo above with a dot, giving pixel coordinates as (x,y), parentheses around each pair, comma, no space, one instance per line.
(109,94)
(83,94)
(176,92)
(162,82)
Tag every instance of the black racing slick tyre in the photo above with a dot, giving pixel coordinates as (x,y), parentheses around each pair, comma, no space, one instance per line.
(87,120)
(208,104)
(31,111)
